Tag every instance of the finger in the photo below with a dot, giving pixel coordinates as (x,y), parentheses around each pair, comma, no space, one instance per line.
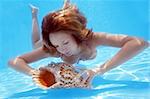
(36,76)
(36,79)
(47,69)
(38,82)
(35,73)
(89,72)
(42,68)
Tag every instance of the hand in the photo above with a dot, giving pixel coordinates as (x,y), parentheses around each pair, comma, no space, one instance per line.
(35,77)
(96,71)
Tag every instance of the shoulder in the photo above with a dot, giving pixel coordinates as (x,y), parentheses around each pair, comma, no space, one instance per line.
(109,39)
(96,38)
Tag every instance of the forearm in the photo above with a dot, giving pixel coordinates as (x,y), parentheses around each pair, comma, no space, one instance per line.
(129,50)
(20,65)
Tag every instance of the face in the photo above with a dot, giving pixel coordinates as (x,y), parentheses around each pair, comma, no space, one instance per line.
(64,43)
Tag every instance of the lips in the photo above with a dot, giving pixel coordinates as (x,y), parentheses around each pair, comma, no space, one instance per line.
(68,53)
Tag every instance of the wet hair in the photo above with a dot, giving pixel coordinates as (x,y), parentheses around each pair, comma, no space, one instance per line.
(67,19)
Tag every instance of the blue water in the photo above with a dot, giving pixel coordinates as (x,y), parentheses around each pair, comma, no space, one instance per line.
(131,80)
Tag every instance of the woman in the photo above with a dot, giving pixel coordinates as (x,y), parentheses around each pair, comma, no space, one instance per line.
(64,34)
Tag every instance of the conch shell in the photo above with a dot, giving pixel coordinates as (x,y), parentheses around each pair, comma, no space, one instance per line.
(61,75)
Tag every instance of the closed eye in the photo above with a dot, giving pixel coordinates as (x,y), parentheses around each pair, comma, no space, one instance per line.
(66,43)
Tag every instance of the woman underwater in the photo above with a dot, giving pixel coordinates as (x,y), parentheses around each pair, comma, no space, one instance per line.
(64,34)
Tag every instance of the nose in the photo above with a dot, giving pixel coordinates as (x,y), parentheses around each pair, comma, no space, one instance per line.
(62,49)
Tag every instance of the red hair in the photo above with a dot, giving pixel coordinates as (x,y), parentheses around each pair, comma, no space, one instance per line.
(67,19)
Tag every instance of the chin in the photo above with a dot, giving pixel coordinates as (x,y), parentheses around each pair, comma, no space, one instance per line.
(68,54)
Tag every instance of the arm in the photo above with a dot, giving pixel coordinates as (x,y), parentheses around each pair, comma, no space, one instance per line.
(20,63)
(130,46)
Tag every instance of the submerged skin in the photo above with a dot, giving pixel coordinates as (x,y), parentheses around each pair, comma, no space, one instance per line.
(64,43)
(72,52)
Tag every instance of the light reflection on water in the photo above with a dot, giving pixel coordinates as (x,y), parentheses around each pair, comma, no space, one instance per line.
(132,80)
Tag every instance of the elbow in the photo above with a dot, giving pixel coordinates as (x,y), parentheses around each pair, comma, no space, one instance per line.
(146,44)
(11,62)
(140,43)
(14,62)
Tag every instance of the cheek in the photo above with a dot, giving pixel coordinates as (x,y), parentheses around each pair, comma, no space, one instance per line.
(72,45)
